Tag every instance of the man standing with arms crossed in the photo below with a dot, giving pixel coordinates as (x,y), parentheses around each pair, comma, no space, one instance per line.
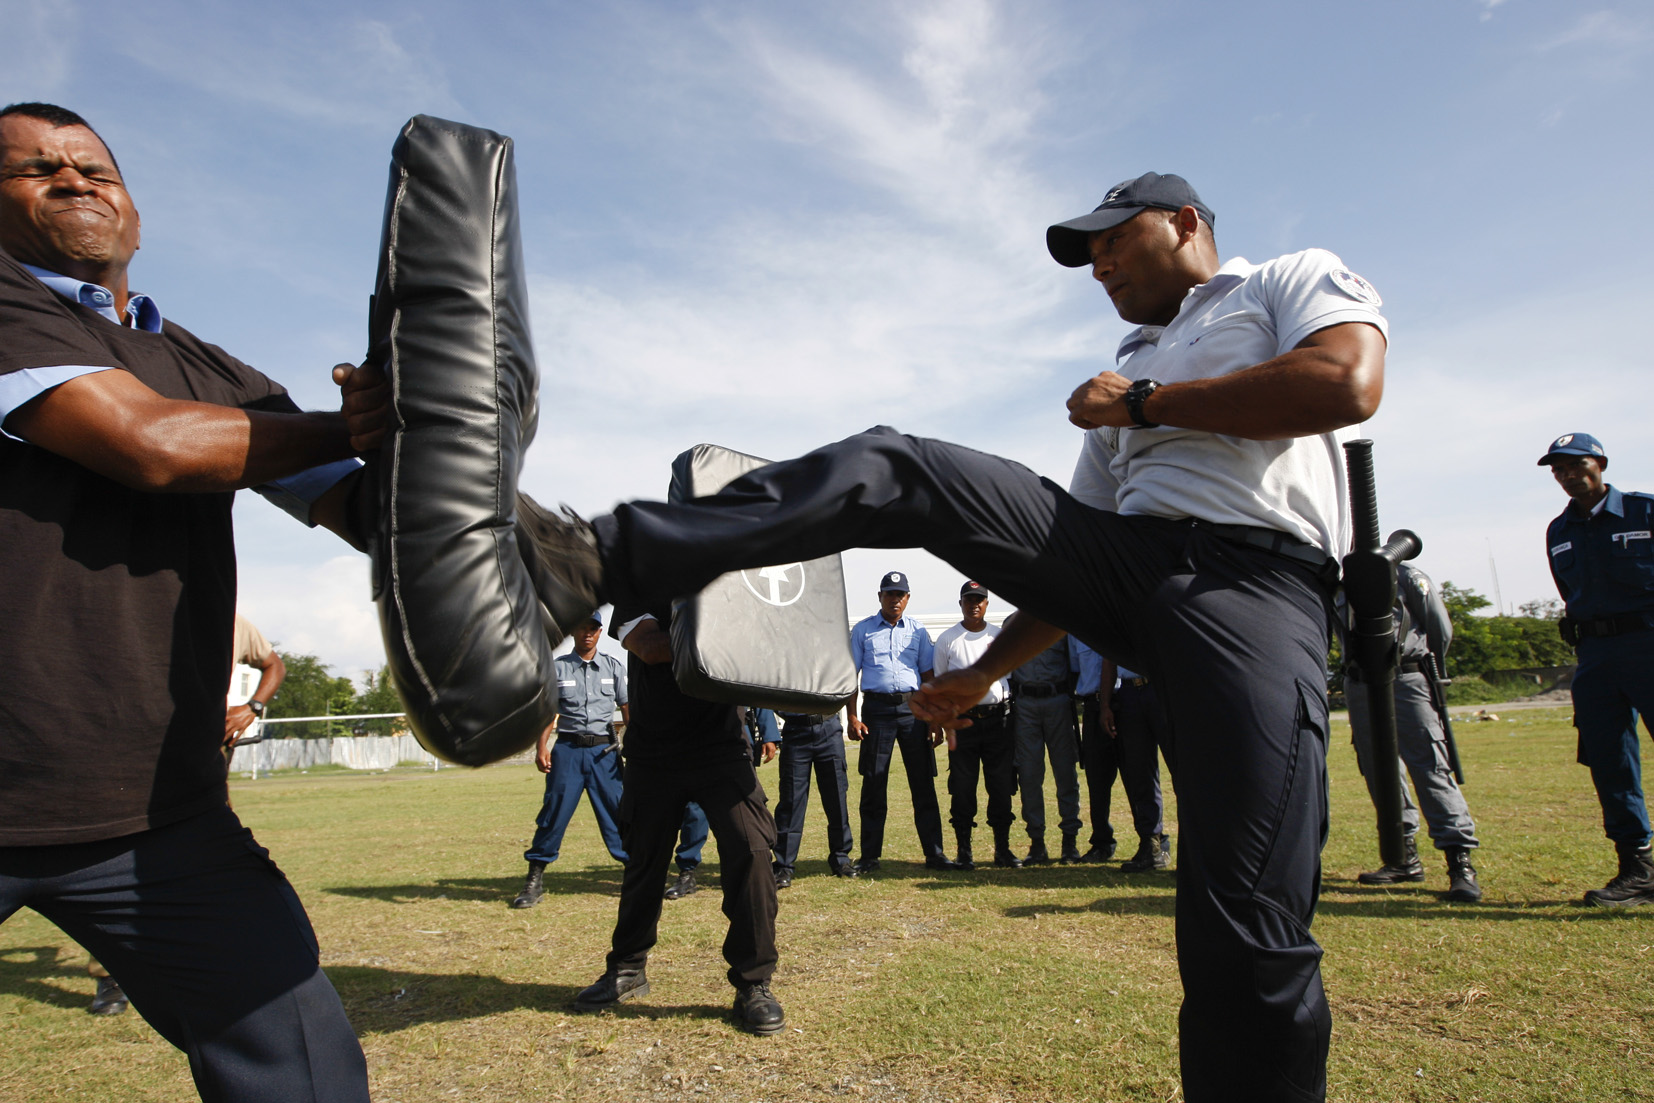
(1199,545)
(1602,557)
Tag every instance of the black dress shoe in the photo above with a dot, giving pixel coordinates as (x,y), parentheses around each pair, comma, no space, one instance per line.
(757,1009)
(941,863)
(783,877)
(614,986)
(108,999)
(1099,853)
(684,886)
(561,556)
(534,886)
(867,865)
(846,869)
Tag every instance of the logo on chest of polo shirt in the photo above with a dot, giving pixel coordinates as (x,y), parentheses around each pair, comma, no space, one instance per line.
(1625,538)
(778,586)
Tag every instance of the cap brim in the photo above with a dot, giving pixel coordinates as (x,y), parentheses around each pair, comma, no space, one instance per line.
(894,590)
(1544,461)
(1070,242)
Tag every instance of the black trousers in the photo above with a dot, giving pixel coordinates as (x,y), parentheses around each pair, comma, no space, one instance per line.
(1142,733)
(890,727)
(651,812)
(819,749)
(1234,636)
(212,947)
(986,748)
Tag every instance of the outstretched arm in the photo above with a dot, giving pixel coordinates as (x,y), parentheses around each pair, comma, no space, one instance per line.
(941,700)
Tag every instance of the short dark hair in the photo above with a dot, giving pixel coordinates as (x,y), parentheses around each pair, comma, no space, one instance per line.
(53,115)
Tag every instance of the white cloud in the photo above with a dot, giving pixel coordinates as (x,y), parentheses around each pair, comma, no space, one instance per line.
(1488,7)
(316,607)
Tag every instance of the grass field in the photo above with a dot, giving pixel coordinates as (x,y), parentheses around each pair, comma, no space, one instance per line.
(1057,983)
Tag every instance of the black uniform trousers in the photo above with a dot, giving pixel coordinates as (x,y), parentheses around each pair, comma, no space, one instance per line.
(987,748)
(892,726)
(212,947)
(1234,636)
(651,812)
(813,748)
(1142,734)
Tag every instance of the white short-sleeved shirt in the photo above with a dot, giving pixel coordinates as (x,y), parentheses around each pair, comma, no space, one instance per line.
(1244,315)
(956,648)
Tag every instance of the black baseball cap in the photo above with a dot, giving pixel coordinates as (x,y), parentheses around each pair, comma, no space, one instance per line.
(895,581)
(1574,444)
(973,589)
(1069,241)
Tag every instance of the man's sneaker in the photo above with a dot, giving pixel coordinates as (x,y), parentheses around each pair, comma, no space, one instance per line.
(561,556)
(533,888)
(757,1010)
(614,986)
(1153,853)
(1633,885)
(867,865)
(109,999)
(684,886)
(1461,877)
(1411,869)
(783,877)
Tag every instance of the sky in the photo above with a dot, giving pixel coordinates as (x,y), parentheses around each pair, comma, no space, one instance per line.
(768,226)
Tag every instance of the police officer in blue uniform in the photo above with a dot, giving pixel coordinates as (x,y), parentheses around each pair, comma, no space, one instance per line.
(1601,550)
(812,744)
(1135,718)
(893,653)
(585,759)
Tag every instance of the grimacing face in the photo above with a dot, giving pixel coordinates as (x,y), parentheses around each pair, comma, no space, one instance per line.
(63,204)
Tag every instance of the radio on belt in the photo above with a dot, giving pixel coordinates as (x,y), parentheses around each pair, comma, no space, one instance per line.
(774,637)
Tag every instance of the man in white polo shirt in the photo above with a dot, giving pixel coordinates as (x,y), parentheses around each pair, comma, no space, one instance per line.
(1199,546)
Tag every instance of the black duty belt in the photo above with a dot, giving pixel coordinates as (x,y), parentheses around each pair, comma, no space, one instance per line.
(1038,689)
(584,739)
(885,698)
(986,712)
(1270,540)
(1134,683)
(1612,626)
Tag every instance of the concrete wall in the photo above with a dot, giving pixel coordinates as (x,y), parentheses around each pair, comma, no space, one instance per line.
(358,752)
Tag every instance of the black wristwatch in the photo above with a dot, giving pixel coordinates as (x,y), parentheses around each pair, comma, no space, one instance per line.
(257,707)
(1137,394)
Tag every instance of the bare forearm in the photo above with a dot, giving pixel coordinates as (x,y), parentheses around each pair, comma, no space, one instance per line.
(270,680)
(1020,638)
(1303,393)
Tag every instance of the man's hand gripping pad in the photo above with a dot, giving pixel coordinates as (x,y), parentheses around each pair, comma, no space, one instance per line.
(463,626)
(775,637)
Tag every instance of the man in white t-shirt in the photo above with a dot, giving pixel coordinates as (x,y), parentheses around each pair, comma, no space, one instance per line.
(1199,545)
(986,747)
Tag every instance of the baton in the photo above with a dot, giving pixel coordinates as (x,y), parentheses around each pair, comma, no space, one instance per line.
(1438,698)
(1370,591)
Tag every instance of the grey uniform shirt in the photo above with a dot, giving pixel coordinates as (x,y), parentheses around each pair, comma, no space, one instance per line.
(587,692)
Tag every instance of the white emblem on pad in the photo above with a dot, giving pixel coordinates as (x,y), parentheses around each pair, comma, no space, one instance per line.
(778,586)
(1356,287)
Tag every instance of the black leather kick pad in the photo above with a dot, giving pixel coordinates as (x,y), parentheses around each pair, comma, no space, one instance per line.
(775,637)
(462,624)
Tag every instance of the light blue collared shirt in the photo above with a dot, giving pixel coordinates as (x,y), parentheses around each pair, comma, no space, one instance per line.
(1088,664)
(294,494)
(889,656)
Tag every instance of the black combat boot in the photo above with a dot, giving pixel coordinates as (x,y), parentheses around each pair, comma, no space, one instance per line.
(1153,852)
(757,1009)
(1004,856)
(1461,876)
(109,999)
(614,986)
(533,888)
(966,860)
(1071,846)
(1411,869)
(1633,885)
(1037,854)
(684,886)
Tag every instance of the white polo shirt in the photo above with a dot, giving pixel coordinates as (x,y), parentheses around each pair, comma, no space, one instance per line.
(1244,315)
(958,648)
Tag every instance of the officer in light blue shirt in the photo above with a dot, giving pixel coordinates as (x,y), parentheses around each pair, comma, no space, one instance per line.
(591,684)
(1602,557)
(894,655)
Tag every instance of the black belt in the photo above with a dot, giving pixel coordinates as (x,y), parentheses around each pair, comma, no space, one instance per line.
(1038,689)
(1270,540)
(885,698)
(986,712)
(583,739)
(1611,626)
(1134,683)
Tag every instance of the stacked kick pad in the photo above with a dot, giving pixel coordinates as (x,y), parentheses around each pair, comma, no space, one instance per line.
(775,637)
(463,626)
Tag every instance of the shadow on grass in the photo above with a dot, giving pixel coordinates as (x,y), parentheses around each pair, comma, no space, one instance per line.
(582,882)
(33,972)
(1107,905)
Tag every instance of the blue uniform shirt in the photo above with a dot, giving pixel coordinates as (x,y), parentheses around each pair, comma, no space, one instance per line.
(1088,664)
(889,656)
(1603,563)
(587,692)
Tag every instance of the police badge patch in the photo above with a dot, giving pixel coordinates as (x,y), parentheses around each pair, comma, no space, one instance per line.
(1356,287)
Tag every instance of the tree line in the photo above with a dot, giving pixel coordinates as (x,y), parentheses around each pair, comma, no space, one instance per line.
(311,690)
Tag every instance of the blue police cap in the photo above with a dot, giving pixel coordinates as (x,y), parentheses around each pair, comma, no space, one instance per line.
(1574,444)
(596,618)
(1070,242)
(895,580)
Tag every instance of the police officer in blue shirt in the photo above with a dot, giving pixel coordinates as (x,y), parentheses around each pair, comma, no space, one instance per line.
(1602,556)
(585,759)
(894,655)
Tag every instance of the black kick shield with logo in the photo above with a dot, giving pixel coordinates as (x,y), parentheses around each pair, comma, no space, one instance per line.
(775,637)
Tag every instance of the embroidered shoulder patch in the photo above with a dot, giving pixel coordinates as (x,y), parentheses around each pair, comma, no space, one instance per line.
(1566,545)
(1356,287)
